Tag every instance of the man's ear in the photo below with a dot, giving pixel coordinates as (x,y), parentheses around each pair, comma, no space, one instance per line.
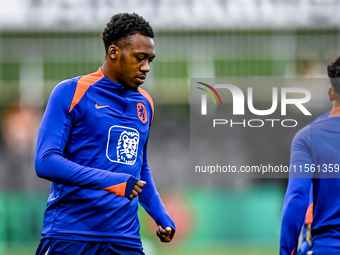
(112,51)
(330,91)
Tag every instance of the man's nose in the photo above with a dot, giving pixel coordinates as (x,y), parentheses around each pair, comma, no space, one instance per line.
(145,67)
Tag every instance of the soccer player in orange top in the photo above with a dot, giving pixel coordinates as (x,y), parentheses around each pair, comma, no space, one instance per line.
(92,145)
(316,147)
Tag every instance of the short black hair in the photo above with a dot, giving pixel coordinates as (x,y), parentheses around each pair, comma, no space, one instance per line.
(123,25)
(333,70)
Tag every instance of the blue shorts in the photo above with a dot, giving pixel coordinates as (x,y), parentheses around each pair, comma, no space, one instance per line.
(69,247)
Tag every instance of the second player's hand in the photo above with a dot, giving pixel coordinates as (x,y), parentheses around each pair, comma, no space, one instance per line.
(309,234)
(137,189)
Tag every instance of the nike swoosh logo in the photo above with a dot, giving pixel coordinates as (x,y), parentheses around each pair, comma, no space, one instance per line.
(47,250)
(100,106)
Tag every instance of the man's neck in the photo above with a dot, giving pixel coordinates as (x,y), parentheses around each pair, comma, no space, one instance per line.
(336,102)
(106,69)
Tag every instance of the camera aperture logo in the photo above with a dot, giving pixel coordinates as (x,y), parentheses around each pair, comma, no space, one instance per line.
(238,105)
(204,97)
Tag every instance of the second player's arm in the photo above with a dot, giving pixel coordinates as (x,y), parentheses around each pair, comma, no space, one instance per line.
(297,194)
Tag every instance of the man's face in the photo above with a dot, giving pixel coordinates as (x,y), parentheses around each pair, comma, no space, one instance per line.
(135,59)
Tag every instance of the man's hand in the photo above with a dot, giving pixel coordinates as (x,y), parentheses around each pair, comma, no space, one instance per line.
(164,234)
(309,234)
(137,189)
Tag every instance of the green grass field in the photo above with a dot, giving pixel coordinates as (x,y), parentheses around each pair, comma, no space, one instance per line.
(216,248)
(218,226)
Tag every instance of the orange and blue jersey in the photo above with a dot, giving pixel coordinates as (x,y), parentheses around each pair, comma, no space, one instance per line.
(316,148)
(92,145)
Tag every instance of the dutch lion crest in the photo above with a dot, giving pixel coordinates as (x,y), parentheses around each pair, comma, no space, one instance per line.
(127,147)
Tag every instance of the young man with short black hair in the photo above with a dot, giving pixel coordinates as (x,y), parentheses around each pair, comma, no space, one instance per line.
(316,147)
(92,145)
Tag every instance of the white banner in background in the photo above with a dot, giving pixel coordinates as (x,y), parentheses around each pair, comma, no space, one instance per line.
(170,14)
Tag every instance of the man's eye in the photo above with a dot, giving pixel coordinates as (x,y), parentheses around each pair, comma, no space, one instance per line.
(150,60)
(140,58)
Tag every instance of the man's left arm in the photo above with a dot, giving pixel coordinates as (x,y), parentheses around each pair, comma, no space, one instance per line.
(153,204)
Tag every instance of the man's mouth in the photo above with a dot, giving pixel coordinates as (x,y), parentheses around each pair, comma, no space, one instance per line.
(141,78)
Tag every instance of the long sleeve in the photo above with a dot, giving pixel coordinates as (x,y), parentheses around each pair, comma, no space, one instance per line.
(150,198)
(297,195)
(54,132)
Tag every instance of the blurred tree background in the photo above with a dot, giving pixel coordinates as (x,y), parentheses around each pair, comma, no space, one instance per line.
(43,42)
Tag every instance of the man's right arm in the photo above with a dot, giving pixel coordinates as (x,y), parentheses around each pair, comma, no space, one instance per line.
(297,194)
(50,162)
